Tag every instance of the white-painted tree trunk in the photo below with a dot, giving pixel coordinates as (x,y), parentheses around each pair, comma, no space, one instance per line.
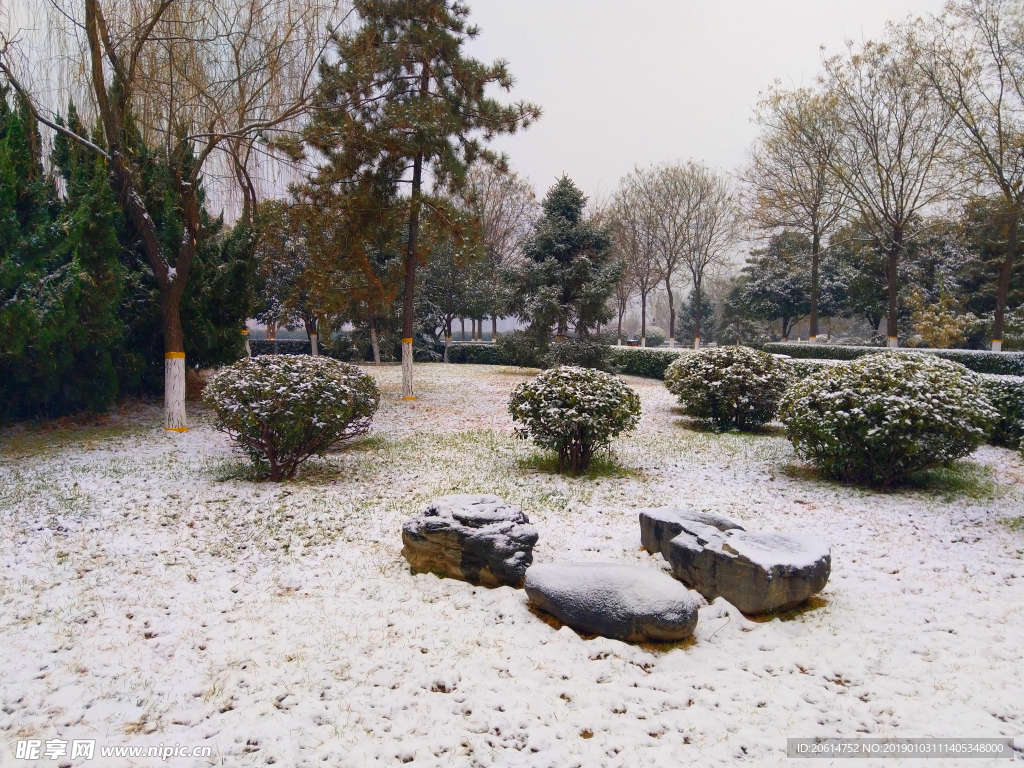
(997,345)
(696,342)
(375,344)
(812,339)
(407,393)
(248,349)
(893,342)
(643,341)
(447,343)
(314,349)
(671,341)
(174,392)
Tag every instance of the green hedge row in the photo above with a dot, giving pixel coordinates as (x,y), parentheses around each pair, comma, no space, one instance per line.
(643,361)
(1007,395)
(979,360)
(475,353)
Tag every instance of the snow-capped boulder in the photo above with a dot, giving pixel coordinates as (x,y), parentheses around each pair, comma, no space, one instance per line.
(624,602)
(755,571)
(659,526)
(481,539)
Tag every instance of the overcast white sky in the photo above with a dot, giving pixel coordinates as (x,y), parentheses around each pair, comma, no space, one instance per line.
(626,82)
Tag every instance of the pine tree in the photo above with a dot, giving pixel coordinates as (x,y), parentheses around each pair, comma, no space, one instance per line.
(569,274)
(404,101)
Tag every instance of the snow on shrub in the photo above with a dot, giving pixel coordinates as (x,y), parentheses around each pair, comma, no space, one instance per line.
(1007,396)
(574,411)
(282,409)
(729,387)
(883,417)
(643,361)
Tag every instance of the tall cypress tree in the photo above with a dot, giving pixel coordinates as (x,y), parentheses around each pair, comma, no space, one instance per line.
(405,101)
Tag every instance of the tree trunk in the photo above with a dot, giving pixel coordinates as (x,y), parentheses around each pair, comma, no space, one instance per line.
(174,363)
(494,328)
(447,338)
(891,278)
(314,350)
(671,313)
(618,330)
(812,332)
(1005,271)
(643,319)
(696,317)
(785,328)
(410,279)
(374,342)
(245,338)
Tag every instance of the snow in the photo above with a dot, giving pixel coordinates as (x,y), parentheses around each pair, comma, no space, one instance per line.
(151,593)
(767,549)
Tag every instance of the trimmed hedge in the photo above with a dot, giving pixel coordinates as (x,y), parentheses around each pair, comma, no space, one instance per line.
(977,360)
(474,353)
(1007,395)
(644,361)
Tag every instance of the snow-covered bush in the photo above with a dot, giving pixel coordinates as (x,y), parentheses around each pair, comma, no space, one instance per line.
(643,361)
(282,409)
(883,417)
(574,411)
(655,336)
(729,387)
(978,360)
(1007,396)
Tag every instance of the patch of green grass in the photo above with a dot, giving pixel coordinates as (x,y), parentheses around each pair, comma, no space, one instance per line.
(1014,523)
(961,479)
(605,464)
(813,603)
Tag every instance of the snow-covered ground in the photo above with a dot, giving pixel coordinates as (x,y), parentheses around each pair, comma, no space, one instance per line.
(151,593)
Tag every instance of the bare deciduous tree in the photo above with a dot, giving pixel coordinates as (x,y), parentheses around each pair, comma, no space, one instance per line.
(974,60)
(893,148)
(634,228)
(789,175)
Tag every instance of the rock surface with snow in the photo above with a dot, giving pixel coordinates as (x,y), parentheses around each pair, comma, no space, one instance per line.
(755,571)
(622,602)
(479,538)
(659,526)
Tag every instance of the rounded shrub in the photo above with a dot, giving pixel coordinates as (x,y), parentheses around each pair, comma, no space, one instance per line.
(880,418)
(729,387)
(655,336)
(583,353)
(574,411)
(282,409)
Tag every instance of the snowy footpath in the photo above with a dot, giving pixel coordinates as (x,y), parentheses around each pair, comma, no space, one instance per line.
(151,594)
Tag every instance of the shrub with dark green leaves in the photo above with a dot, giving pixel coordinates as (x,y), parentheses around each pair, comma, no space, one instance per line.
(729,387)
(584,353)
(522,348)
(1007,396)
(282,409)
(883,417)
(643,361)
(574,412)
(655,337)
(978,360)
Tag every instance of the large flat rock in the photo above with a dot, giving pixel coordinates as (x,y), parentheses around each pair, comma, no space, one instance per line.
(624,602)
(660,525)
(757,572)
(479,538)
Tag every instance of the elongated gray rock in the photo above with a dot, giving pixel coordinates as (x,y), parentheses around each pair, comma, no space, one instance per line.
(481,539)
(623,602)
(659,526)
(757,572)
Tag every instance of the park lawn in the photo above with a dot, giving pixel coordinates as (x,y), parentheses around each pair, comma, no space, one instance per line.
(153,592)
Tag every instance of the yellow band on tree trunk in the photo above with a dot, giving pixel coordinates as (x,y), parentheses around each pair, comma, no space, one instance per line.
(175,429)
(407,341)
(173,355)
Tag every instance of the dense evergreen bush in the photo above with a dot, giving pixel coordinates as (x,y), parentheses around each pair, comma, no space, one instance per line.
(1007,396)
(584,353)
(655,337)
(575,412)
(883,417)
(525,349)
(729,387)
(476,353)
(641,361)
(978,360)
(282,409)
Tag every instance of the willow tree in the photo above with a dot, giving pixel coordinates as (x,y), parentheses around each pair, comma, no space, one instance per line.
(179,83)
(403,100)
(789,176)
